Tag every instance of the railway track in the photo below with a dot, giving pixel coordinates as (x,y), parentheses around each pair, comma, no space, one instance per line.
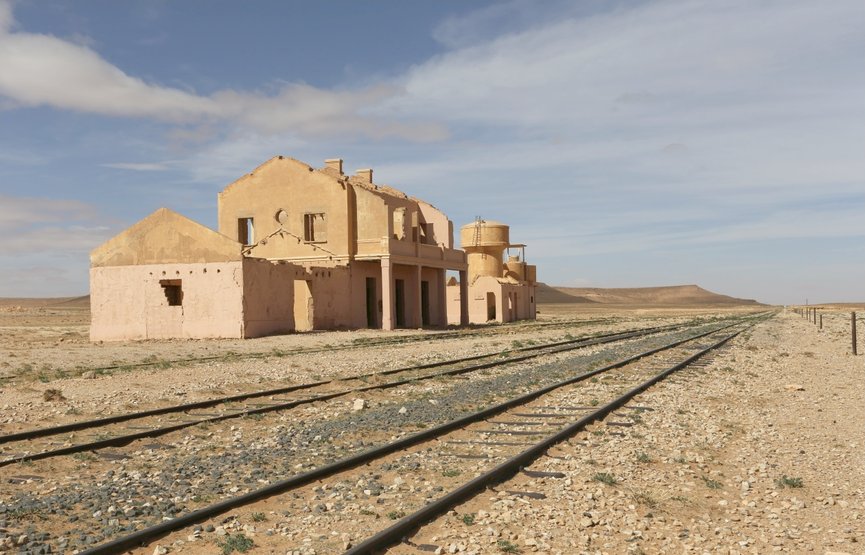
(123,429)
(516,420)
(570,420)
(361,343)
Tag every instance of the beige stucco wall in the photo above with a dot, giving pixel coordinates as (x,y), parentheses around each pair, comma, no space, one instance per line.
(128,302)
(268,297)
(360,270)
(513,301)
(247,298)
(235,290)
(360,217)
(297,189)
(165,237)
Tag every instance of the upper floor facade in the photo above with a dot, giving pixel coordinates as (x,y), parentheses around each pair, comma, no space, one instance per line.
(287,210)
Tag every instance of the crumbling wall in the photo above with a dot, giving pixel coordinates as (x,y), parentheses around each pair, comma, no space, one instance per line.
(161,301)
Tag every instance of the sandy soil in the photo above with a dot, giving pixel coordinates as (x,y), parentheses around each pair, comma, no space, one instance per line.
(763,451)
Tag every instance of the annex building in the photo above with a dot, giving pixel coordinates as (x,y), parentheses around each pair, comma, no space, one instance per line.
(297,249)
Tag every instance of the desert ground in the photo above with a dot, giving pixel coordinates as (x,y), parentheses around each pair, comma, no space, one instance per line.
(761,451)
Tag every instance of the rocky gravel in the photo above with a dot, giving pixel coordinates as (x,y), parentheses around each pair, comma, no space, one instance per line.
(761,451)
(172,477)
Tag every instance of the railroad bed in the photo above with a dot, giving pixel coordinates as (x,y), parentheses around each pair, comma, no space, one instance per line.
(119,495)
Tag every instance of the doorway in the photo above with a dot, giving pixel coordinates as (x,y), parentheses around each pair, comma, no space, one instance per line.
(491,306)
(303,305)
(371,305)
(424,303)
(400,303)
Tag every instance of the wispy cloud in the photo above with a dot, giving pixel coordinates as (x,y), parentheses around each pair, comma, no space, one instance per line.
(46,226)
(139,166)
(595,129)
(43,70)
(6,17)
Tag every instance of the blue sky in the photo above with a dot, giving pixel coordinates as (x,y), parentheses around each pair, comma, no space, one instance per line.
(627,143)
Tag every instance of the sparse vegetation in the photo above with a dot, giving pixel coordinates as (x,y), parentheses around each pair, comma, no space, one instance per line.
(712,484)
(259,517)
(235,542)
(643,457)
(396,515)
(468,519)
(53,395)
(788,482)
(605,478)
(451,473)
(507,547)
(645,499)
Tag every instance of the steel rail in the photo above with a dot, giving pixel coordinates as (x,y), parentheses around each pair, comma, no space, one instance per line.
(115,419)
(507,469)
(374,342)
(146,535)
(95,423)
(119,441)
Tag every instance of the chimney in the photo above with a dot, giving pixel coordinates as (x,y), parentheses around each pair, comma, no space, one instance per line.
(334,164)
(365,174)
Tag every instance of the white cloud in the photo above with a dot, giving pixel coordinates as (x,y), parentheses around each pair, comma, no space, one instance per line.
(6,17)
(49,241)
(18,212)
(138,166)
(49,227)
(38,70)
(43,70)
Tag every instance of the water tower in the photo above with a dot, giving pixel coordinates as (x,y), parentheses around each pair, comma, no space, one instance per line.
(485,242)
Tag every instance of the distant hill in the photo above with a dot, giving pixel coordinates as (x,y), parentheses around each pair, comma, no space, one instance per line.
(48,302)
(557,295)
(674,295)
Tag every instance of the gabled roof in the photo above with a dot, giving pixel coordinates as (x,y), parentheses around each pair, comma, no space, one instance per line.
(381,189)
(165,237)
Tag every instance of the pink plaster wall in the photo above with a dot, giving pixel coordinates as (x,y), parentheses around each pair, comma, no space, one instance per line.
(524,309)
(128,302)
(268,297)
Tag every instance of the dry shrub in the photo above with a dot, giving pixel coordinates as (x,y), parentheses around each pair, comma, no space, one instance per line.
(53,395)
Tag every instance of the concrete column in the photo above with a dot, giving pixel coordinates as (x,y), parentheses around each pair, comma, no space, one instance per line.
(387,301)
(464,297)
(418,314)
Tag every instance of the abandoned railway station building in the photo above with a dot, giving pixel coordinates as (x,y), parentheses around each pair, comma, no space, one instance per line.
(297,249)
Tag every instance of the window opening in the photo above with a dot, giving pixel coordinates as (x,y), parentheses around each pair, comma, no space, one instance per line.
(399,223)
(426,234)
(314,228)
(245,231)
(173,289)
